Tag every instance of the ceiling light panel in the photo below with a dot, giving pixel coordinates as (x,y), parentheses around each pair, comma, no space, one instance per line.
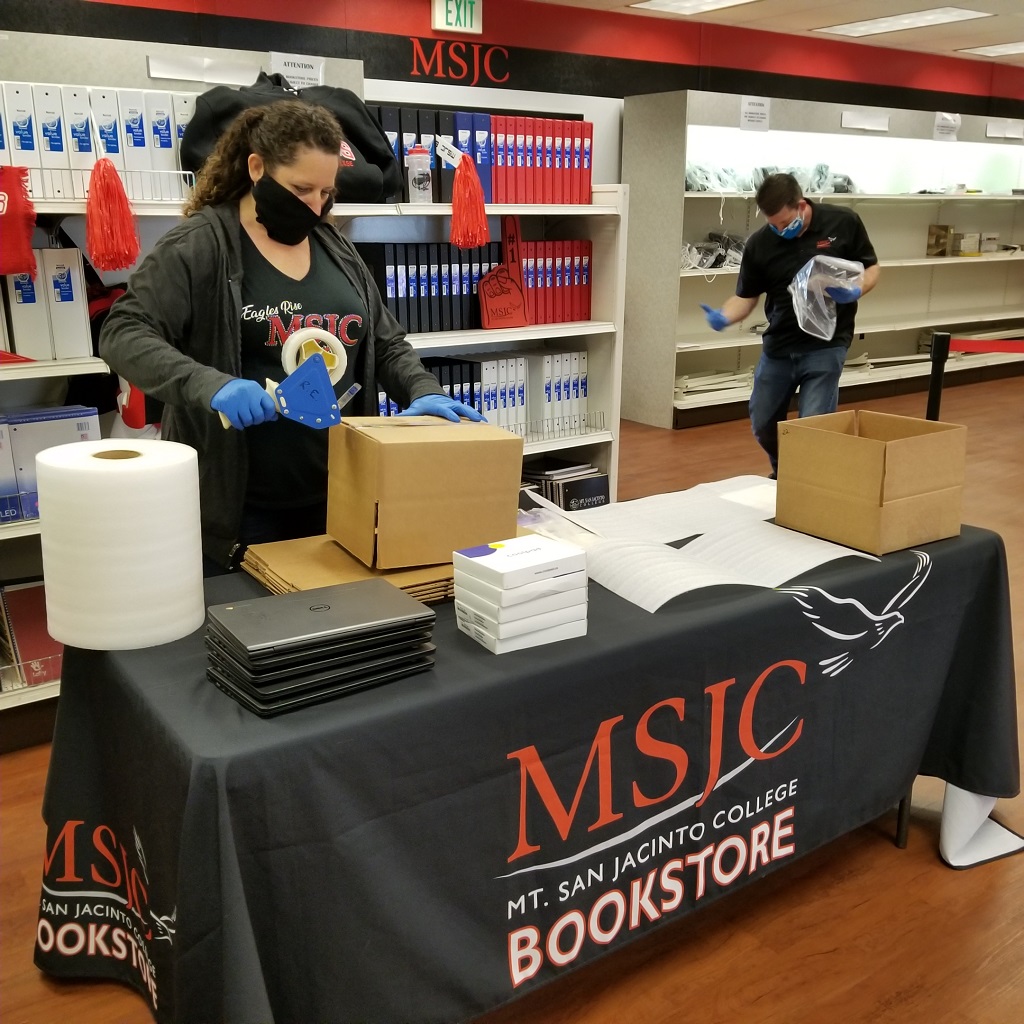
(1002,50)
(899,22)
(688,6)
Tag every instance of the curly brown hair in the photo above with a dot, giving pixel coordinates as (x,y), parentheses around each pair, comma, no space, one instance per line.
(274,132)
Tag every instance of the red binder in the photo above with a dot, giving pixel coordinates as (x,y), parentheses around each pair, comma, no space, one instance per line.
(585,279)
(586,177)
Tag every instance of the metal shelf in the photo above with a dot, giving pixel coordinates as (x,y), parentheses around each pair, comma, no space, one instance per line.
(29,694)
(52,368)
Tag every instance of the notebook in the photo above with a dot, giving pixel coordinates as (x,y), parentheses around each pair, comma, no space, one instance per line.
(308,620)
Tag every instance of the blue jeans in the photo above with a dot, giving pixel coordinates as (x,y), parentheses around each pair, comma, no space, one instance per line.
(777,378)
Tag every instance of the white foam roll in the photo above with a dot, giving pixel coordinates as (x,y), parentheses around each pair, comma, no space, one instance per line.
(290,351)
(121,542)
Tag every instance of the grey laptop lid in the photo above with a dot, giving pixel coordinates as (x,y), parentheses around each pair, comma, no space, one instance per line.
(310,618)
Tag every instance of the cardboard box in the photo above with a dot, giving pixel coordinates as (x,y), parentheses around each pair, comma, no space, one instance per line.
(870,480)
(519,560)
(940,240)
(409,490)
(505,645)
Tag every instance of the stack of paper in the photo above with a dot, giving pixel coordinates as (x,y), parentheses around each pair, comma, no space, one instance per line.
(522,592)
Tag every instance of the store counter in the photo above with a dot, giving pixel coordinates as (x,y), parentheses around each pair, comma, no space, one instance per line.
(432,848)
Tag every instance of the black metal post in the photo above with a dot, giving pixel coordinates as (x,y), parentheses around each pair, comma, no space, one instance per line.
(939,353)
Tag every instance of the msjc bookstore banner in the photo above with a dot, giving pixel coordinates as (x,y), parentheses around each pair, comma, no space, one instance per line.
(433,848)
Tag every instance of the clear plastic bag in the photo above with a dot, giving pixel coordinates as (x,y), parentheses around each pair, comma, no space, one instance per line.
(815,310)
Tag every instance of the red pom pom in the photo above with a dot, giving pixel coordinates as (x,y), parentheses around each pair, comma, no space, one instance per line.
(469,218)
(17,219)
(111,234)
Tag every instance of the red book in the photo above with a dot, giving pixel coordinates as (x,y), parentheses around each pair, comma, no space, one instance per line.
(549,282)
(576,168)
(585,279)
(36,653)
(586,177)
(529,155)
(559,154)
(547,166)
(498,170)
(577,286)
(558,304)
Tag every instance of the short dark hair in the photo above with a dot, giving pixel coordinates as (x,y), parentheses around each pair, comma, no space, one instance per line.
(778,191)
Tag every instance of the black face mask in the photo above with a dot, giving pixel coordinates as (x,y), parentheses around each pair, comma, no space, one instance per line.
(285,216)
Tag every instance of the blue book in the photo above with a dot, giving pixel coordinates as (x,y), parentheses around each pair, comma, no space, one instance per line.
(482,153)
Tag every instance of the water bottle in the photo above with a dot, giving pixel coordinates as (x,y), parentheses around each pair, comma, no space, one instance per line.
(417,160)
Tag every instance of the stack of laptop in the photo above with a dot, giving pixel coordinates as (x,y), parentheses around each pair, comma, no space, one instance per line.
(281,652)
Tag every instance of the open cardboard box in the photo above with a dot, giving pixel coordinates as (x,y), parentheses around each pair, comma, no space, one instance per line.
(411,490)
(870,480)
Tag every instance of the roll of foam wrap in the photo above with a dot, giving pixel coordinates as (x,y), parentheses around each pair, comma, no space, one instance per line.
(121,544)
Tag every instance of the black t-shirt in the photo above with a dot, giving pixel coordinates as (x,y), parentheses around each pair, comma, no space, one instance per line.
(770,263)
(288,461)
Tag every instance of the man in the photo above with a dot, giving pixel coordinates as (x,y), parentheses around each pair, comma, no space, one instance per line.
(791,360)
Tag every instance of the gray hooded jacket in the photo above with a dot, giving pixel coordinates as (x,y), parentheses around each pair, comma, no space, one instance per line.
(176,335)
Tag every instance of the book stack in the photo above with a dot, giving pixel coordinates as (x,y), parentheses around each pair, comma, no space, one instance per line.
(519,593)
(573,486)
(28,654)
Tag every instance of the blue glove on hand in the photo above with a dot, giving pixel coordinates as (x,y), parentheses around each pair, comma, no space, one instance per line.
(716,319)
(842,295)
(443,406)
(244,403)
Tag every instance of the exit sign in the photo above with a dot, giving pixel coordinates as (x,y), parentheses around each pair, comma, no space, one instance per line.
(458,16)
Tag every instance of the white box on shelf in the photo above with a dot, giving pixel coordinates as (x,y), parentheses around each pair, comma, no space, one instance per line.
(183,106)
(160,128)
(137,151)
(24,133)
(501,598)
(81,144)
(62,272)
(33,430)
(107,118)
(53,141)
(511,563)
(28,313)
(5,134)
(566,631)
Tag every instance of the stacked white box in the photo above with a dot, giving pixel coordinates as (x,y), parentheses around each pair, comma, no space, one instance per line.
(62,274)
(81,144)
(10,504)
(23,133)
(522,592)
(183,106)
(53,141)
(28,313)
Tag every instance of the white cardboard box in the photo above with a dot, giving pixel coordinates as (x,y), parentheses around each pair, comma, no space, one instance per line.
(81,144)
(28,310)
(24,133)
(566,631)
(160,128)
(5,134)
(53,141)
(480,610)
(10,504)
(107,117)
(62,275)
(499,598)
(511,563)
(137,159)
(519,627)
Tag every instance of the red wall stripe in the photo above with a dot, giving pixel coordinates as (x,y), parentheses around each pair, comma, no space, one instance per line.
(541,26)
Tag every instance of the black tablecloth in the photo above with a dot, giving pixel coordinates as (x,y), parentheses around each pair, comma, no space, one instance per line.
(431,848)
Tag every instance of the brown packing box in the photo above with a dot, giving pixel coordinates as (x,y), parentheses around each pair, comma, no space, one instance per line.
(870,480)
(413,489)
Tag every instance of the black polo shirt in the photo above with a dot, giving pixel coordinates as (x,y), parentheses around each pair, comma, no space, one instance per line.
(770,263)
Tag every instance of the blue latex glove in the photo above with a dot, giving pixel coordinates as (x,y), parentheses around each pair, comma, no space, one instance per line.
(443,406)
(842,295)
(716,319)
(244,403)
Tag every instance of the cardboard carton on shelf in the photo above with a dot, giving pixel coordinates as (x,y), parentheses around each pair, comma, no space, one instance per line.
(940,240)
(410,490)
(871,480)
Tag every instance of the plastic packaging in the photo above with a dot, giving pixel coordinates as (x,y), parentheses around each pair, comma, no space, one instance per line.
(815,310)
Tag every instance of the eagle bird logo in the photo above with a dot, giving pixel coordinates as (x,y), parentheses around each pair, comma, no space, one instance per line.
(847,620)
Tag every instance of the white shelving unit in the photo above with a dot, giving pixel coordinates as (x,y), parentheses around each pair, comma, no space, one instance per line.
(668,338)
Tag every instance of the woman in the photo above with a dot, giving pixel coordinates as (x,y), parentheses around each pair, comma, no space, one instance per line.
(205,316)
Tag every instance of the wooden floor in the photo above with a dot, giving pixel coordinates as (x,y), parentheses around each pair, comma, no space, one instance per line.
(855,933)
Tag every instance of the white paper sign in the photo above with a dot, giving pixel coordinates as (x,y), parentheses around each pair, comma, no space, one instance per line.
(755,113)
(946,127)
(300,71)
(867,121)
